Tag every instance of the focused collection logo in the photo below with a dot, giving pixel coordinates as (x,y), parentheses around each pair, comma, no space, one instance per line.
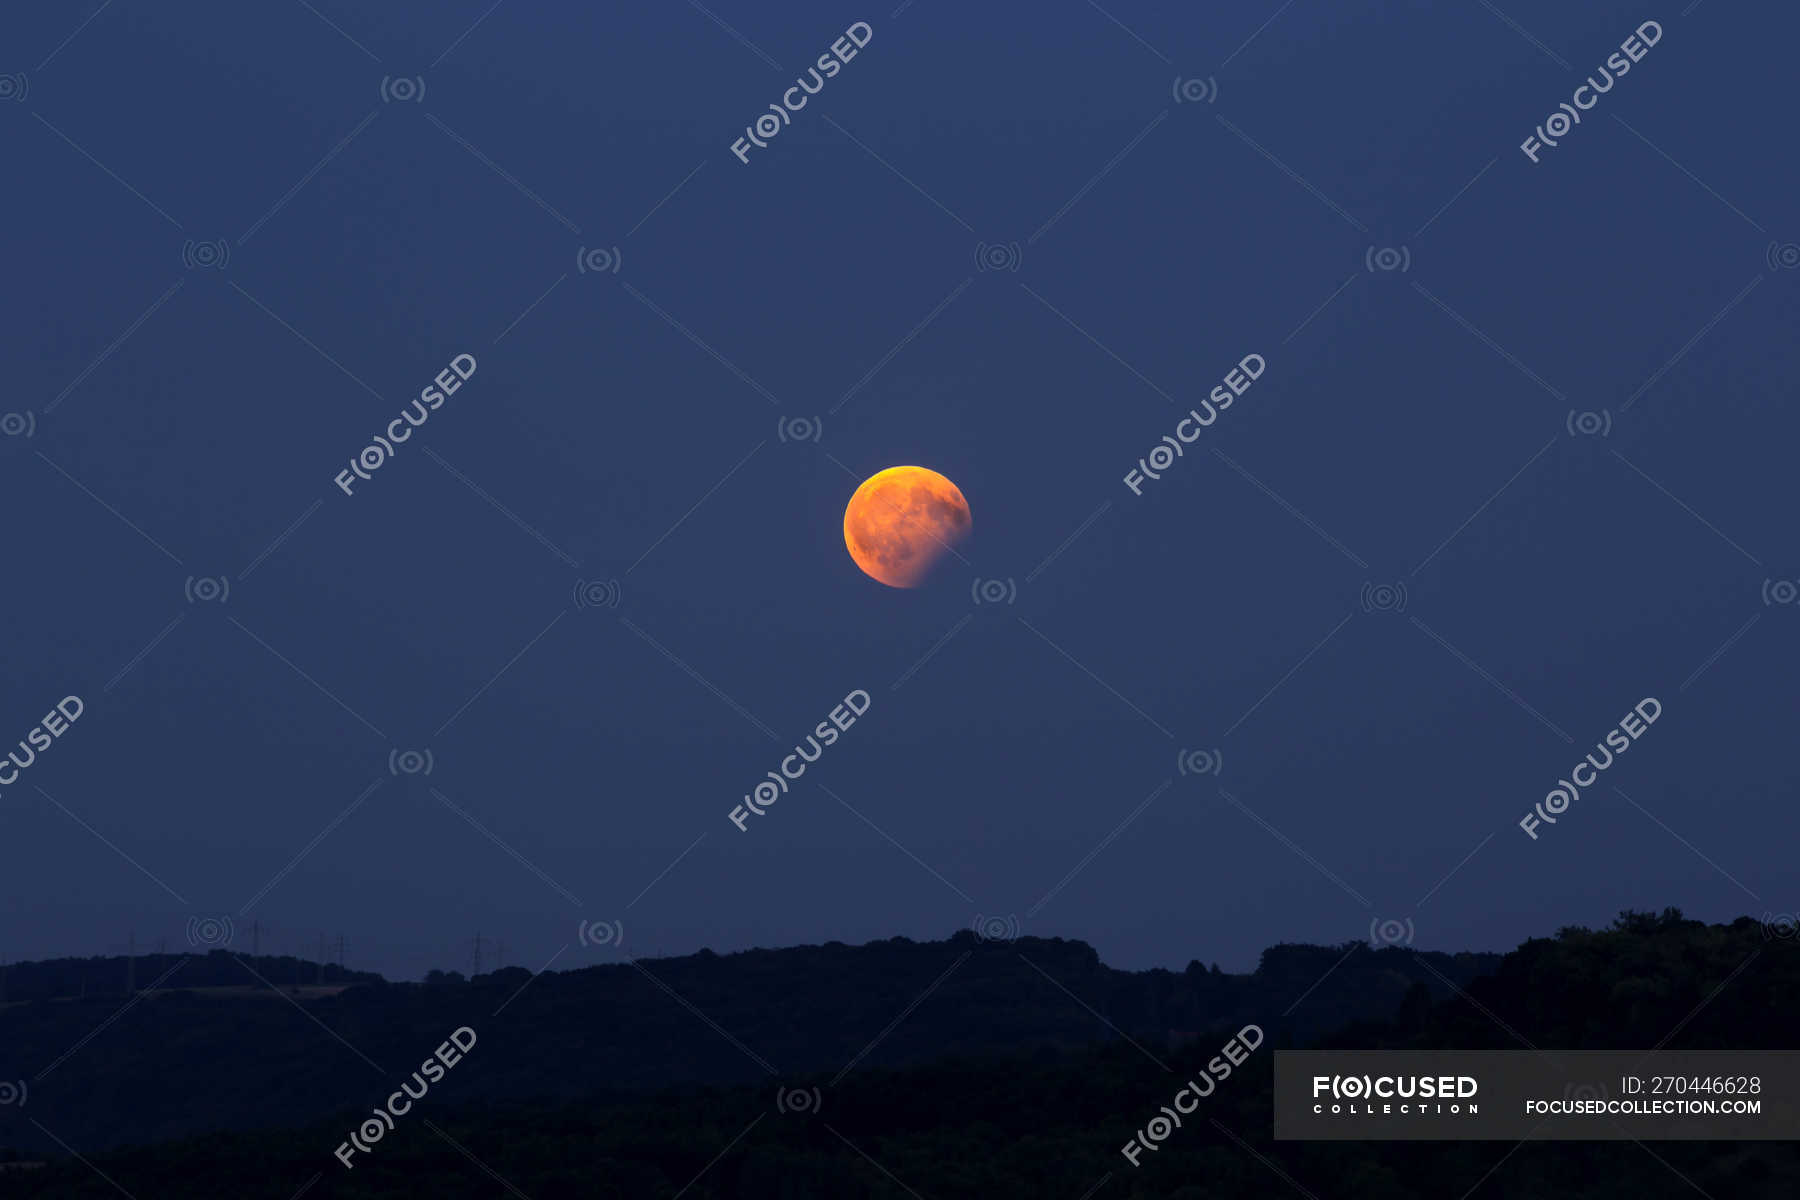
(1394,1095)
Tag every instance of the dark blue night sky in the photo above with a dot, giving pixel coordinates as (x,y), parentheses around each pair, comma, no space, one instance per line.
(1521,457)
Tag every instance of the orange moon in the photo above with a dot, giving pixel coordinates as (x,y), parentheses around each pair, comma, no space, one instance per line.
(901,521)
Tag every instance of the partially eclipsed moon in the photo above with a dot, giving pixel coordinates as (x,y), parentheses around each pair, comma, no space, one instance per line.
(901,521)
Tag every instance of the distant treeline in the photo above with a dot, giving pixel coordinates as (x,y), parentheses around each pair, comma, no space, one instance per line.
(635,1026)
(1048,1124)
(74,978)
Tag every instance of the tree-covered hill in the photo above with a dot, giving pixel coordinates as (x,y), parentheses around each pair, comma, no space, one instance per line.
(1049,1123)
(223,1060)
